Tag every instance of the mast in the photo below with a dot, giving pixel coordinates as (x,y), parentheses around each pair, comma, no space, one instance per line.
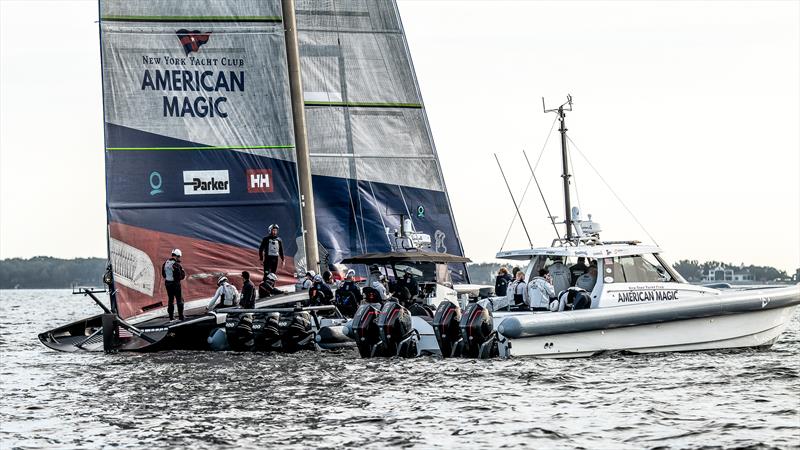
(564,161)
(300,135)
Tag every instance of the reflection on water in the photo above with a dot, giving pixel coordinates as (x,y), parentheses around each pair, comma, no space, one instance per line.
(335,399)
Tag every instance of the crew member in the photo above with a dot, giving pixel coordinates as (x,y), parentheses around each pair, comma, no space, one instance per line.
(348,296)
(541,291)
(518,291)
(501,282)
(588,280)
(561,277)
(320,293)
(327,277)
(408,282)
(226,294)
(173,273)
(380,286)
(271,249)
(577,269)
(308,280)
(248,292)
(374,274)
(267,287)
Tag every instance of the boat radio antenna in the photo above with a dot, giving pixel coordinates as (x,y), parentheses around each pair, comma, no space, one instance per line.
(564,107)
(513,201)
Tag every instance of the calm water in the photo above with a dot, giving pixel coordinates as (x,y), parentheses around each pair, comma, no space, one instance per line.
(330,400)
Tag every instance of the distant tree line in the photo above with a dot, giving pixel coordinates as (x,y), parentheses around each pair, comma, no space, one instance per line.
(691,270)
(44,272)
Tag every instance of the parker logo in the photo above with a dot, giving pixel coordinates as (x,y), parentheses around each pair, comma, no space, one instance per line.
(259,180)
(197,182)
(192,40)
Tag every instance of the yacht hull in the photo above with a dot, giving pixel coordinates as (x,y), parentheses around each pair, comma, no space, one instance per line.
(736,320)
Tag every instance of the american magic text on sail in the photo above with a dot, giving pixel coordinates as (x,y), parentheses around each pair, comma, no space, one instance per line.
(205,81)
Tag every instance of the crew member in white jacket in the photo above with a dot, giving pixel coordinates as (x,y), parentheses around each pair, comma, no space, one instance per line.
(226,293)
(561,275)
(517,292)
(540,291)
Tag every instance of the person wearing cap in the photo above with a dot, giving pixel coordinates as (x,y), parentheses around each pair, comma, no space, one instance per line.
(320,293)
(348,296)
(226,294)
(540,291)
(374,274)
(271,249)
(380,286)
(248,300)
(267,287)
(308,280)
(173,273)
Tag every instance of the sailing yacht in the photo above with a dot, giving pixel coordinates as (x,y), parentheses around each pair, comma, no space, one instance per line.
(223,119)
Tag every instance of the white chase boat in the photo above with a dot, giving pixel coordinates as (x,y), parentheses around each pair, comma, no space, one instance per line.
(638,303)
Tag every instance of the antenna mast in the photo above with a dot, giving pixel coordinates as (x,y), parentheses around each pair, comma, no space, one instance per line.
(564,159)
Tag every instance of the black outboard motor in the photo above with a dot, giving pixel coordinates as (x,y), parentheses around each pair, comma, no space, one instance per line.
(296,332)
(446,329)
(239,328)
(267,331)
(477,333)
(396,333)
(365,329)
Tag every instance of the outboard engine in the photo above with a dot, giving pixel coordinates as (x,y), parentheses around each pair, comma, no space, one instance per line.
(396,333)
(267,331)
(446,329)
(296,332)
(365,329)
(477,333)
(239,329)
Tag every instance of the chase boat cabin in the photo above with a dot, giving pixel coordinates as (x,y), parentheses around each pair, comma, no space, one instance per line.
(627,273)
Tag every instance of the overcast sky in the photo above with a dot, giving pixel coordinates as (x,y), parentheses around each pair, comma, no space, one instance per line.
(689,110)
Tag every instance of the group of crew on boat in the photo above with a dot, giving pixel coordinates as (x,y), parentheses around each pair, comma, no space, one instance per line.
(553,288)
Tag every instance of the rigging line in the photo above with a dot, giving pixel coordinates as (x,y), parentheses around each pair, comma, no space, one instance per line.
(385,231)
(552,220)
(511,194)
(525,192)
(400,188)
(612,191)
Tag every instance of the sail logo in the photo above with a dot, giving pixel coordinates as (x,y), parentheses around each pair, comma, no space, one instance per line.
(192,40)
(259,180)
(199,182)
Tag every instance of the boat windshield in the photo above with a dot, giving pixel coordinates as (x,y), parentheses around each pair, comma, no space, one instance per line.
(635,269)
(421,271)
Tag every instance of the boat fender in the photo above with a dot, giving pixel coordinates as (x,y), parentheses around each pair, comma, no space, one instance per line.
(218,340)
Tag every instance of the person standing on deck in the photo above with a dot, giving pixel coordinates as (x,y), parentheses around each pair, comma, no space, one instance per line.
(541,291)
(173,273)
(578,269)
(517,292)
(501,282)
(271,249)
(248,300)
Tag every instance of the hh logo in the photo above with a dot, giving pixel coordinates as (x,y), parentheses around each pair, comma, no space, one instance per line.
(259,180)
(196,182)
(192,40)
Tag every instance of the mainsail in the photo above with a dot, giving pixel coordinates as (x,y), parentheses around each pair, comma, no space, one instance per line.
(372,154)
(200,148)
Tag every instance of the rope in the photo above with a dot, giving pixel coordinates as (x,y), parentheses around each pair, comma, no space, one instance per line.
(612,191)
(521,199)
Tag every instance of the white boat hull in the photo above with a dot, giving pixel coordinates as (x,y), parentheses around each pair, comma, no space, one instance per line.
(752,329)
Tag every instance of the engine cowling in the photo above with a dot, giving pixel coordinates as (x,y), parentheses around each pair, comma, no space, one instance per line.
(477,333)
(396,331)
(446,328)
(239,329)
(365,329)
(296,332)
